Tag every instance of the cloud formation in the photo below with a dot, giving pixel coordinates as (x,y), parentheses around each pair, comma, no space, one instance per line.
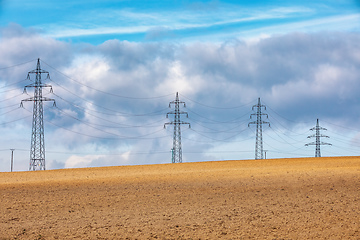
(112,98)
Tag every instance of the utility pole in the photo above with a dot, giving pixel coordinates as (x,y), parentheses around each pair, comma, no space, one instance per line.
(12,159)
(317,136)
(259,122)
(176,150)
(37,151)
(265,151)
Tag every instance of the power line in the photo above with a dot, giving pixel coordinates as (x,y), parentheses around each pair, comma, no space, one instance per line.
(11,97)
(284,117)
(5,113)
(211,121)
(107,138)
(215,107)
(221,140)
(112,112)
(110,138)
(129,152)
(111,133)
(104,92)
(4,123)
(119,125)
(284,141)
(273,123)
(10,90)
(16,65)
(336,125)
(13,84)
(88,111)
(213,131)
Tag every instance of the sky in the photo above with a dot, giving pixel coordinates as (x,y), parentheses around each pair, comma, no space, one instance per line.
(114,66)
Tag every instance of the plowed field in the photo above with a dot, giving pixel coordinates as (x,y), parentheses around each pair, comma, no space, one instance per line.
(263,199)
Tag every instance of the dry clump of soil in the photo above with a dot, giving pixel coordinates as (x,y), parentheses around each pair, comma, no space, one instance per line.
(263,199)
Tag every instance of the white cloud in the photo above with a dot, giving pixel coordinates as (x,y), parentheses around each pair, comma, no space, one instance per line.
(300,76)
(332,23)
(81,161)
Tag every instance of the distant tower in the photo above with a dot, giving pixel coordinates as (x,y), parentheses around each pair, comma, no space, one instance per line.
(176,150)
(317,136)
(259,151)
(37,151)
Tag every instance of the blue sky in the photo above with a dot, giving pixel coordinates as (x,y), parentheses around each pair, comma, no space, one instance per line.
(116,65)
(97,21)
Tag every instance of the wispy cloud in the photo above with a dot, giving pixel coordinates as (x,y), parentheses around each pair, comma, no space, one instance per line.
(134,22)
(349,22)
(181,20)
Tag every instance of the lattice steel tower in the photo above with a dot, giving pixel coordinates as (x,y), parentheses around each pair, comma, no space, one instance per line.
(176,150)
(37,151)
(317,136)
(259,151)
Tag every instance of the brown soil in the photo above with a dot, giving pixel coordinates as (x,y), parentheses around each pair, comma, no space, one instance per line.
(264,199)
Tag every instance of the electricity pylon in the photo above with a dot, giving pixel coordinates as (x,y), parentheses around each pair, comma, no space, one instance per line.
(259,151)
(317,136)
(37,151)
(176,150)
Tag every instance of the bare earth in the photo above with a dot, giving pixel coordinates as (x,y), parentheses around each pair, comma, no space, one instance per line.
(265,199)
